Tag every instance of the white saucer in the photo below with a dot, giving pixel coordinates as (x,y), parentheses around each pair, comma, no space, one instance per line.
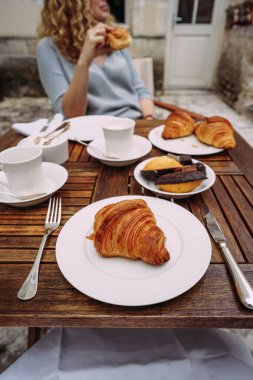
(87,128)
(55,177)
(183,145)
(141,146)
(150,185)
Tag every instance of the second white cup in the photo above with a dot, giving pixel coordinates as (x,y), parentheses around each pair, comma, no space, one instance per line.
(118,136)
(23,169)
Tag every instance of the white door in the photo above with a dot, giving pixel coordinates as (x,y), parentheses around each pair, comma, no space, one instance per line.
(193,42)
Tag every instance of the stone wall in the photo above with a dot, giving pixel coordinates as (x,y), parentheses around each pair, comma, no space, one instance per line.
(235,71)
(18,68)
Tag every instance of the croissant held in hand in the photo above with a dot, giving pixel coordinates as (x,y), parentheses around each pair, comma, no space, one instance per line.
(178,124)
(118,38)
(128,229)
(216,131)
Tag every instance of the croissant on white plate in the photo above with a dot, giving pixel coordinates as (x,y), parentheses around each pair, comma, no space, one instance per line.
(178,124)
(128,229)
(216,131)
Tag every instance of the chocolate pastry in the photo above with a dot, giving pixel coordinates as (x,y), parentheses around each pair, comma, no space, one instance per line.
(182,180)
(175,174)
(184,174)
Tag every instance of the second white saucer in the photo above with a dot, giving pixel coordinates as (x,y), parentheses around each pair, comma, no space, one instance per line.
(54,178)
(141,147)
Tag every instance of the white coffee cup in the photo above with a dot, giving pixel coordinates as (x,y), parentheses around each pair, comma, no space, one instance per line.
(23,169)
(57,151)
(118,134)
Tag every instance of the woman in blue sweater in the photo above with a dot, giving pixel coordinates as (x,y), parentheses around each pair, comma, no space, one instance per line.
(80,75)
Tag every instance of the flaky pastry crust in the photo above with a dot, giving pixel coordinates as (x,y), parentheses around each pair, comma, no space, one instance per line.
(128,229)
(216,131)
(178,124)
(118,38)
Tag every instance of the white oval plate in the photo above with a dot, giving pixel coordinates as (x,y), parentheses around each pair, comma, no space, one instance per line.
(121,281)
(183,145)
(141,147)
(87,128)
(150,185)
(54,178)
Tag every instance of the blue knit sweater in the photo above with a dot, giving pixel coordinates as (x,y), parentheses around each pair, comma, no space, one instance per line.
(114,87)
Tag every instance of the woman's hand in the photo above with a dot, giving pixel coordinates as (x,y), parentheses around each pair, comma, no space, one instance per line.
(94,44)
(147,108)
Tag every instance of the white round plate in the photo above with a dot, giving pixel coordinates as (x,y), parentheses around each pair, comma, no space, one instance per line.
(87,128)
(55,177)
(141,147)
(150,185)
(121,281)
(183,145)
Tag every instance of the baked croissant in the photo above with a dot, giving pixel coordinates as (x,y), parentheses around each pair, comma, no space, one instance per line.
(118,39)
(128,229)
(178,124)
(216,131)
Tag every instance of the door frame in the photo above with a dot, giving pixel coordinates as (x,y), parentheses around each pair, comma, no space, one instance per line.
(217,39)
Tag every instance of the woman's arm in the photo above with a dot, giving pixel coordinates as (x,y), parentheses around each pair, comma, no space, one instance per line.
(70,99)
(74,102)
(145,99)
(62,95)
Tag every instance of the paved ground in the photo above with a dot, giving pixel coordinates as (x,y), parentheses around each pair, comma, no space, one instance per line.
(16,110)
(13,110)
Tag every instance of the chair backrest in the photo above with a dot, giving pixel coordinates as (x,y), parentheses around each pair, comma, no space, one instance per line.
(144,67)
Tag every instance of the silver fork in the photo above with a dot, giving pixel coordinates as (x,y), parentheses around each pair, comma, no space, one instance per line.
(30,286)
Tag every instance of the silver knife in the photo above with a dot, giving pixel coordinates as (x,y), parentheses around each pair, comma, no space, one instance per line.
(243,288)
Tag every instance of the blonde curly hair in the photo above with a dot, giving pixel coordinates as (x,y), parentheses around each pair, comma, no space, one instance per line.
(66,22)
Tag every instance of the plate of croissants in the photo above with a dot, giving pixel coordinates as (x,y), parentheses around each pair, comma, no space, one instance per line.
(133,250)
(181,134)
(174,176)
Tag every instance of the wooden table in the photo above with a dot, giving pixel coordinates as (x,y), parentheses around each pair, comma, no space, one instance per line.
(212,302)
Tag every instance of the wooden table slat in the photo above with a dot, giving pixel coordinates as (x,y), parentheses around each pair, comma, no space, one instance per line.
(243,205)
(69,307)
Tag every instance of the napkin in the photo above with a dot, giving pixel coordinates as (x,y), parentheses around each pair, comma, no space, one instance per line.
(34,127)
(143,354)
